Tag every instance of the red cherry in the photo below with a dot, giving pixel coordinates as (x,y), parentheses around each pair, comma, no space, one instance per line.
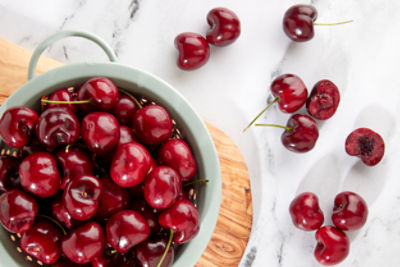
(125,135)
(149,213)
(298,22)
(152,124)
(42,241)
(333,245)
(39,174)
(162,187)
(65,262)
(16,126)
(323,100)
(57,126)
(291,91)
(350,211)
(62,95)
(124,109)
(17,211)
(176,154)
(100,132)
(150,252)
(9,178)
(126,229)
(102,92)
(113,198)
(366,144)
(85,243)
(305,212)
(130,164)
(62,215)
(225,26)
(193,50)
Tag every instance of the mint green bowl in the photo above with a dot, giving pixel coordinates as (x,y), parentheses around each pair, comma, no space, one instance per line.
(141,83)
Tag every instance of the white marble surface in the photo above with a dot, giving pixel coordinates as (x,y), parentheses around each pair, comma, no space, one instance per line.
(362,58)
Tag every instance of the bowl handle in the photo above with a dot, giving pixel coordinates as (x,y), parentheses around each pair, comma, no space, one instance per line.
(53,38)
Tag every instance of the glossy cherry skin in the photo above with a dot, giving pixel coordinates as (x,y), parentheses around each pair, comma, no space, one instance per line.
(126,229)
(73,163)
(291,91)
(16,126)
(162,187)
(303,134)
(366,144)
(9,178)
(57,126)
(85,243)
(61,214)
(42,241)
(152,124)
(81,197)
(305,212)
(113,198)
(62,95)
(350,211)
(323,100)
(298,22)
(39,174)
(176,154)
(224,26)
(102,92)
(149,213)
(100,132)
(17,211)
(125,135)
(130,164)
(181,217)
(333,245)
(150,252)
(193,49)
(124,109)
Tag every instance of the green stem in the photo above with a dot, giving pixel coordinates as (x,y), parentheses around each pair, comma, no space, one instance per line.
(330,24)
(131,96)
(197,181)
(274,125)
(259,114)
(171,234)
(66,102)
(53,221)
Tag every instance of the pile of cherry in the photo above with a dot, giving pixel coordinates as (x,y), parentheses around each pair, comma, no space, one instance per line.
(99,179)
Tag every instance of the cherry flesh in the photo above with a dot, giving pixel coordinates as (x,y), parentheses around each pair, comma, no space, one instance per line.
(306,213)
(298,22)
(42,241)
(17,211)
(17,125)
(350,211)
(39,174)
(125,135)
(291,91)
(130,164)
(126,229)
(100,132)
(323,100)
(113,199)
(162,187)
(149,213)
(62,215)
(193,49)
(333,245)
(124,109)
(225,26)
(85,243)
(150,252)
(102,92)
(152,124)
(57,126)
(9,178)
(176,154)
(366,144)
(62,95)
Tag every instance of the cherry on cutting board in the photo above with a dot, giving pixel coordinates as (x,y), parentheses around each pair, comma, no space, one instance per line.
(305,212)
(39,174)
(350,211)
(113,199)
(42,241)
(366,144)
(323,100)
(193,50)
(17,211)
(224,26)
(9,177)
(333,245)
(150,252)
(85,243)
(17,125)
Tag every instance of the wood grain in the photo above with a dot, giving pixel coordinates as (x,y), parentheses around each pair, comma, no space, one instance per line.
(231,234)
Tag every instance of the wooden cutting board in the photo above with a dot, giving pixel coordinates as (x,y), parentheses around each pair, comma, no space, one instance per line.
(231,234)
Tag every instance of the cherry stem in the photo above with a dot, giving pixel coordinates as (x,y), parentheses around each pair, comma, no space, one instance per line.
(66,102)
(53,221)
(274,125)
(171,234)
(198,181)
(259,114)
(131,96)
(331,24)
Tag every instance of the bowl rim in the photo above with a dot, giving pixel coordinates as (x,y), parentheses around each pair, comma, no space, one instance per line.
(168,94)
